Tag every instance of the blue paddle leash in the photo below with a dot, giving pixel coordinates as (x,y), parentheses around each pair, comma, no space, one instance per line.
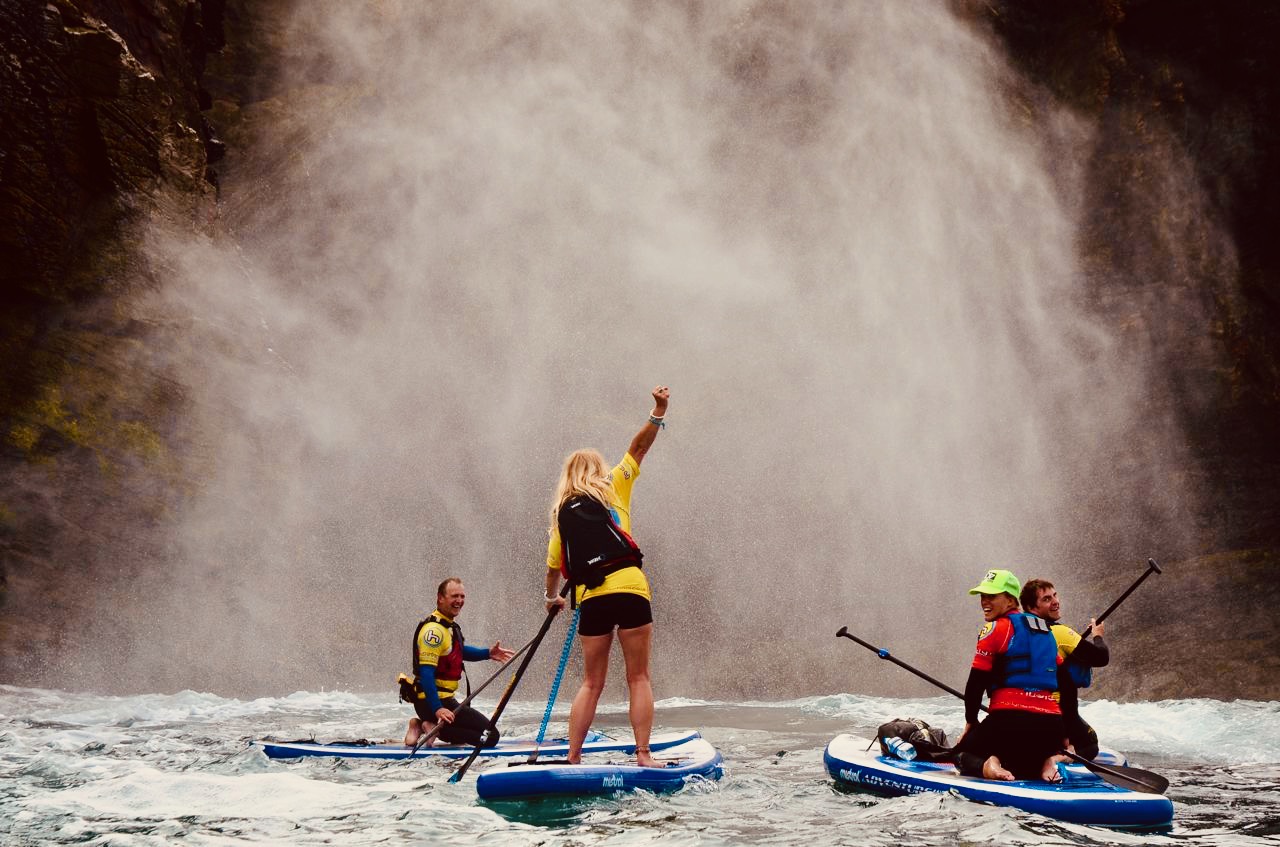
(564,660)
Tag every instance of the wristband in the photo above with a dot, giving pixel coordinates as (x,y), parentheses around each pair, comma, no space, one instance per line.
(548,599)
(659,421)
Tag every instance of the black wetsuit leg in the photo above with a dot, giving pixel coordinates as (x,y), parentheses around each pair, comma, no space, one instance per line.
(468,726)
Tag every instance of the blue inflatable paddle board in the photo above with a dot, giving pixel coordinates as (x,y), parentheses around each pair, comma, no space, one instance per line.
(682,764)
(1082,797)
(506,747)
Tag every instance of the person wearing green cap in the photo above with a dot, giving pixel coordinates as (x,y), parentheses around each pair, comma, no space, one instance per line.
(1016,663)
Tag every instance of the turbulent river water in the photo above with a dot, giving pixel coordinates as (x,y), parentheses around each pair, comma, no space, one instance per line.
(179,768)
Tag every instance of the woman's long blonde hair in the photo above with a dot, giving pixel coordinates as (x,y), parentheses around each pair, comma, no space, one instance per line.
(584,474)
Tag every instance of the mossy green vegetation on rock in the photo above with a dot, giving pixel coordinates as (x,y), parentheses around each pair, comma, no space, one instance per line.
(103,128)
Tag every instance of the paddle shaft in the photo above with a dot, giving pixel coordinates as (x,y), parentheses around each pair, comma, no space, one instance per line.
(884,654)
(424,738)
(1152,567)
(511,686)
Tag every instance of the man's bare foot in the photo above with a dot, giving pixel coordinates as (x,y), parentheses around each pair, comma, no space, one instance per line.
(417,729)
(644,759)
(992,769)
(430,729)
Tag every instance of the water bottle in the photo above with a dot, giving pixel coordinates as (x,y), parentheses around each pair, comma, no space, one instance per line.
(901,749)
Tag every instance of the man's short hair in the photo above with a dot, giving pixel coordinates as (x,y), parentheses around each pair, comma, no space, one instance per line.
(1031,592)
(441,589)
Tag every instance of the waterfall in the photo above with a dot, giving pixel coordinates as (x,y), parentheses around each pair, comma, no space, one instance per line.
(469,238)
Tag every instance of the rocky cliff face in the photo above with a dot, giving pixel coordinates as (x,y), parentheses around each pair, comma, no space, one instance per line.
(1184,93)
(103,125)
(103,110)
(103,128)
(1181,88)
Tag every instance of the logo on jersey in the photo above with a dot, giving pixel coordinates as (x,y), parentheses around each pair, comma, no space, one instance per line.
(986,629)
(626,473)
(433,638)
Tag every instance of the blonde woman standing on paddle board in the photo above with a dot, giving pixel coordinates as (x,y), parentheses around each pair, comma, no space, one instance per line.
(591,545)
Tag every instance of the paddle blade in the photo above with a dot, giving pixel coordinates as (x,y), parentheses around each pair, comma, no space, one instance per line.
(1134,779)
(456,776)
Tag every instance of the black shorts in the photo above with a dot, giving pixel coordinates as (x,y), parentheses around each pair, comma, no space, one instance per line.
(624,610)
(1020,740)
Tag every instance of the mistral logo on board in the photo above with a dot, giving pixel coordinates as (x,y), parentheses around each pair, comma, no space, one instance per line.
(613,780)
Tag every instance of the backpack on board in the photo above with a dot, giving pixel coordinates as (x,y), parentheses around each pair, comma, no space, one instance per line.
(929,742)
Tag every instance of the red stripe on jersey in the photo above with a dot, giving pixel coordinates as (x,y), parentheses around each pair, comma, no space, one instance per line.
(1041,702)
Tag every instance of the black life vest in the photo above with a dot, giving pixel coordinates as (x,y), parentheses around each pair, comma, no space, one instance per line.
(593,543)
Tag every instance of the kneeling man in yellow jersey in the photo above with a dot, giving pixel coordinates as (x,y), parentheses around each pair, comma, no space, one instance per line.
(438,653)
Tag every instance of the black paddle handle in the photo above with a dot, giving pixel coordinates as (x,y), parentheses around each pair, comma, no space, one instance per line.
(1152,567)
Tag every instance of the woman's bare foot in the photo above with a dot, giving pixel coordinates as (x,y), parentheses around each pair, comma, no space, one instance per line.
(992,769)
(1050,772)
(644,759)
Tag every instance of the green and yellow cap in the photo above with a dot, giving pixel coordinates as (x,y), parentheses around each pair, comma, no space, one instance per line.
(998,582)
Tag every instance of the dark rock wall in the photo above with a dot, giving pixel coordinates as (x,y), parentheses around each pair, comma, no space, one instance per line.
(102,106)
(1181,250)
(102,128)
(1181,85)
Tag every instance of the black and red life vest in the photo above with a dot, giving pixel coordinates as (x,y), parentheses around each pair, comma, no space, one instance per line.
(594,544)
(449,666)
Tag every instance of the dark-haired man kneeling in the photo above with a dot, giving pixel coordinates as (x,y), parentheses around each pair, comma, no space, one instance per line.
(1079,657)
